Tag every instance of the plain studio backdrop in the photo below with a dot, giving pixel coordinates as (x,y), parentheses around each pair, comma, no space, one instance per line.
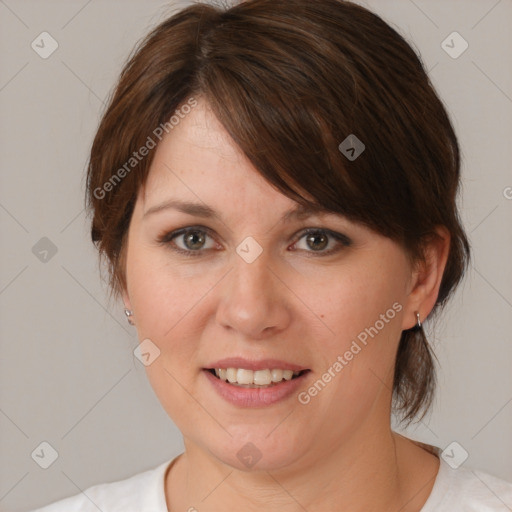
(69,377)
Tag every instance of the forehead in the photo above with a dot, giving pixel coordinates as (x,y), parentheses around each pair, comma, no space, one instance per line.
(198,160)
(196,133)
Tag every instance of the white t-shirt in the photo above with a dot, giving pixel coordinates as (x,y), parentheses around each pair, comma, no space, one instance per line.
(455,490)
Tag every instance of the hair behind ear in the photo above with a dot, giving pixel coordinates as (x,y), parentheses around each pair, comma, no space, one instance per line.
(415,376)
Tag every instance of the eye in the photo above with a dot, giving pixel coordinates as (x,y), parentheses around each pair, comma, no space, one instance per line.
(189,240)
(195,240)
(322,241)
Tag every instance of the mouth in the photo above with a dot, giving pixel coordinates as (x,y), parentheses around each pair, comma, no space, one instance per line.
(255,379)
(255,383)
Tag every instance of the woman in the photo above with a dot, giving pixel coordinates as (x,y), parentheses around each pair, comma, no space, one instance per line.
(274,188)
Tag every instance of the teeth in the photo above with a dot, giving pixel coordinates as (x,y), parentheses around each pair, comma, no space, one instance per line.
(288,374)
(249,378)
(245,376)
(231,374)
(277,375)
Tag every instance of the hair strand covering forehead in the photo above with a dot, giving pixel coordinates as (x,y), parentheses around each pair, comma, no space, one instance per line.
(290,80)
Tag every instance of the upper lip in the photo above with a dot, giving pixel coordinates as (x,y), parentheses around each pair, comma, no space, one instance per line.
(253,364)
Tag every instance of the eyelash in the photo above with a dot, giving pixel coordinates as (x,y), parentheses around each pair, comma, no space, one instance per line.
(167,240)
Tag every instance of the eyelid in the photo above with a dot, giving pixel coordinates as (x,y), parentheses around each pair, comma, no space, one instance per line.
(167,237)
(342,241)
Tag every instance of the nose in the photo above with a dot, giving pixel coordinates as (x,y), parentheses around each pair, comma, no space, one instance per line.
(255,300)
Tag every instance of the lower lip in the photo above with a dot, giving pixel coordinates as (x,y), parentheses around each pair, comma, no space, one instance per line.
(255,397)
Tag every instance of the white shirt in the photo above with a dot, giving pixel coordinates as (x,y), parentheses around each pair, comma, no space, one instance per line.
(455,490)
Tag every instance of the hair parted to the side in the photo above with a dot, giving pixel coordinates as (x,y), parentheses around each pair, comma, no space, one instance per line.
(290,80)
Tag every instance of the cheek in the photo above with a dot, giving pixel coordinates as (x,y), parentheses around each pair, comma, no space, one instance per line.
(356,301)
(363,313)
(164,294)
(165,304)
(168,303)
(362,307)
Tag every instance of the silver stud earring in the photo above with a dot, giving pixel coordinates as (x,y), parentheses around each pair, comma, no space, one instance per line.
(129,314)
(417,327)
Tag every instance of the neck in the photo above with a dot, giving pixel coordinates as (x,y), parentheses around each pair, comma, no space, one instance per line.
(372,470)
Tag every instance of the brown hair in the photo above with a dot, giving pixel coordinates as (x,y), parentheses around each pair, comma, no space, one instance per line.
(290,80)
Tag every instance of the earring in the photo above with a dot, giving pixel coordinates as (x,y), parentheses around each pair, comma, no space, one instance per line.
(129,314)
(418,325)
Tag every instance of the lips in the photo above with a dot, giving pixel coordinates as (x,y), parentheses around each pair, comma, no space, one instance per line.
(253,395)
(254,365)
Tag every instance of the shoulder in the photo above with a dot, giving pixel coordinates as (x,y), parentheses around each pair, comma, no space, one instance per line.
(468,490)
(141,492)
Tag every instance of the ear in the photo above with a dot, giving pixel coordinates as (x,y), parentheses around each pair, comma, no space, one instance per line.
(426,278)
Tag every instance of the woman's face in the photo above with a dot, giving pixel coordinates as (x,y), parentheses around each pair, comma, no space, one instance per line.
(219,266)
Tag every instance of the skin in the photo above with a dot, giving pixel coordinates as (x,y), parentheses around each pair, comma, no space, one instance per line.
(292,303)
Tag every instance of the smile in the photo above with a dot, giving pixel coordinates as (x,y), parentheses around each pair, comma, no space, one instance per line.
(255,388)
(255,379)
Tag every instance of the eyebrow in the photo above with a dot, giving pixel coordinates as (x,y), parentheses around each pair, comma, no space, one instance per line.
(299,212)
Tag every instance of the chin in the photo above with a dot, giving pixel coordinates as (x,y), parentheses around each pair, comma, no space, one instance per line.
(257,451)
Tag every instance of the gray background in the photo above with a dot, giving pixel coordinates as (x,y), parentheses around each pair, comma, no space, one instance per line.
(68,373)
